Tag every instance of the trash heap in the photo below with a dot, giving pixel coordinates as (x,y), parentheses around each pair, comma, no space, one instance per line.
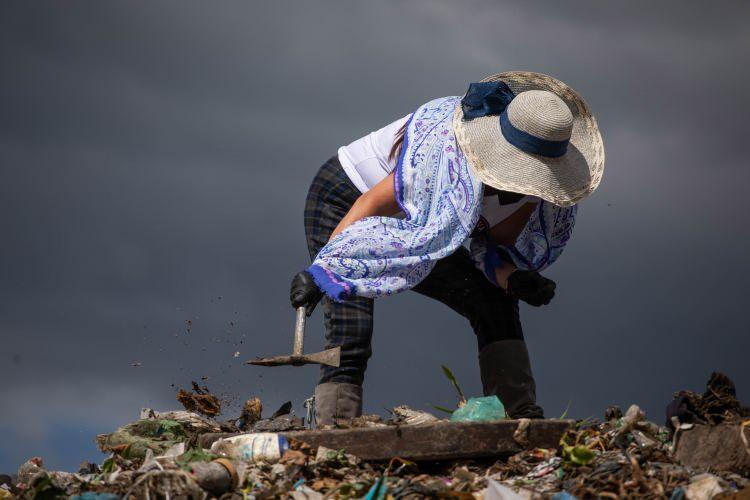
(160,456)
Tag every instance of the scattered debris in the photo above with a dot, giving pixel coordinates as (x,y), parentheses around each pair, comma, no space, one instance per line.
(354,423)
(709,429)
(165,455)
(612,413)
(200,401)
(29,469)
(718,404)
(134,440)
(216,477)
(335,457)
(284,409)
(192,422)
(279,424)
(87,467)
(251,412)
(405,415)
(704,487)
(497,491)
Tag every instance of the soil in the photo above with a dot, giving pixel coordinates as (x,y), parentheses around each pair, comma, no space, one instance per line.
(200,401)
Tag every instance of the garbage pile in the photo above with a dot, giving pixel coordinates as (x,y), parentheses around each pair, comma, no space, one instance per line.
(159,456)
(717,405)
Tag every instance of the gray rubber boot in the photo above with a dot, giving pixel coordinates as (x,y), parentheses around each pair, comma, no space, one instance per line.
(506,373)
(337,400)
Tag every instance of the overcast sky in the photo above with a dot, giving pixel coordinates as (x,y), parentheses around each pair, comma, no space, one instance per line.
(155,156)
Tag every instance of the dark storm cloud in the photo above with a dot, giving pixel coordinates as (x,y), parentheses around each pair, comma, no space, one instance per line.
(156,155)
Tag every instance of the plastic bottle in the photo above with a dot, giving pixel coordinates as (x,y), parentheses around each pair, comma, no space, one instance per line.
(253,447)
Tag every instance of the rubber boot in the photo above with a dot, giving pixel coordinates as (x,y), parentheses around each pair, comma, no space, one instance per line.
(506,373)
(335,400)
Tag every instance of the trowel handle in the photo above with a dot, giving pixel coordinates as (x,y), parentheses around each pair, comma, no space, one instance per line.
(299,332)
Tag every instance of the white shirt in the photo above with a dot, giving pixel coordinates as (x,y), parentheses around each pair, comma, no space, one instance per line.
(365,160)
(366,163)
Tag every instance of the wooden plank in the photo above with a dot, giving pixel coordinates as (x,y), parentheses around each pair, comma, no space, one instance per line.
(438,441)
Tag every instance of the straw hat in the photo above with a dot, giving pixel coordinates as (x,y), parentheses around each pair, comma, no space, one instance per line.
(545,116)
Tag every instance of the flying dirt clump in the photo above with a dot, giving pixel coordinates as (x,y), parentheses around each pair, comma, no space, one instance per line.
(200,401)
(251,412)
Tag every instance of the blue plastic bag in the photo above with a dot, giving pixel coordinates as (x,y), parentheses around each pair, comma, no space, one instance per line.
(563,495)
(91,495)
(486,409)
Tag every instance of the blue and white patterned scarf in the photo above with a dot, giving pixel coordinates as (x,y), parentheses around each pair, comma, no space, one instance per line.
(539,245)
(442,199)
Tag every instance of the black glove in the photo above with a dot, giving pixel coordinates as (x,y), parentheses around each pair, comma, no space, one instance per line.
(305,292)
(531,287)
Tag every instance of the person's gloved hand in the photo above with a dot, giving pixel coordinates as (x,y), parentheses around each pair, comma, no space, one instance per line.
(531,287)
(305,292)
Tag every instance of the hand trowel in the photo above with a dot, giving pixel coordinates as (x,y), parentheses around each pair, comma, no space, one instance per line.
(329,357)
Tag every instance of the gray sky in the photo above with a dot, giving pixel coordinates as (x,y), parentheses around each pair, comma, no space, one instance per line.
(155,158)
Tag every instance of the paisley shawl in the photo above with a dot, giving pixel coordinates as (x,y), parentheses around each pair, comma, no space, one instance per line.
(538,245)
(441,199)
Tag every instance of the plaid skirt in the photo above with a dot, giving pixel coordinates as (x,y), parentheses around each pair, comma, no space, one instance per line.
(454,281)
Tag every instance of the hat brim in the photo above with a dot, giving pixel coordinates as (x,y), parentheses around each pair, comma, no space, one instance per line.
(564,180)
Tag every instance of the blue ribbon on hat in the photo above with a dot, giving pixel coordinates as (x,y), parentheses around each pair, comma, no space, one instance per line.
(492,98)
(486,99)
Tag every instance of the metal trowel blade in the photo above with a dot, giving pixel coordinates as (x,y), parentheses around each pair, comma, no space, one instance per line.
(329,357)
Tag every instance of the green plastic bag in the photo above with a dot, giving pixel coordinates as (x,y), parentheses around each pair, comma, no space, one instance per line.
(487,409)
(132,440)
